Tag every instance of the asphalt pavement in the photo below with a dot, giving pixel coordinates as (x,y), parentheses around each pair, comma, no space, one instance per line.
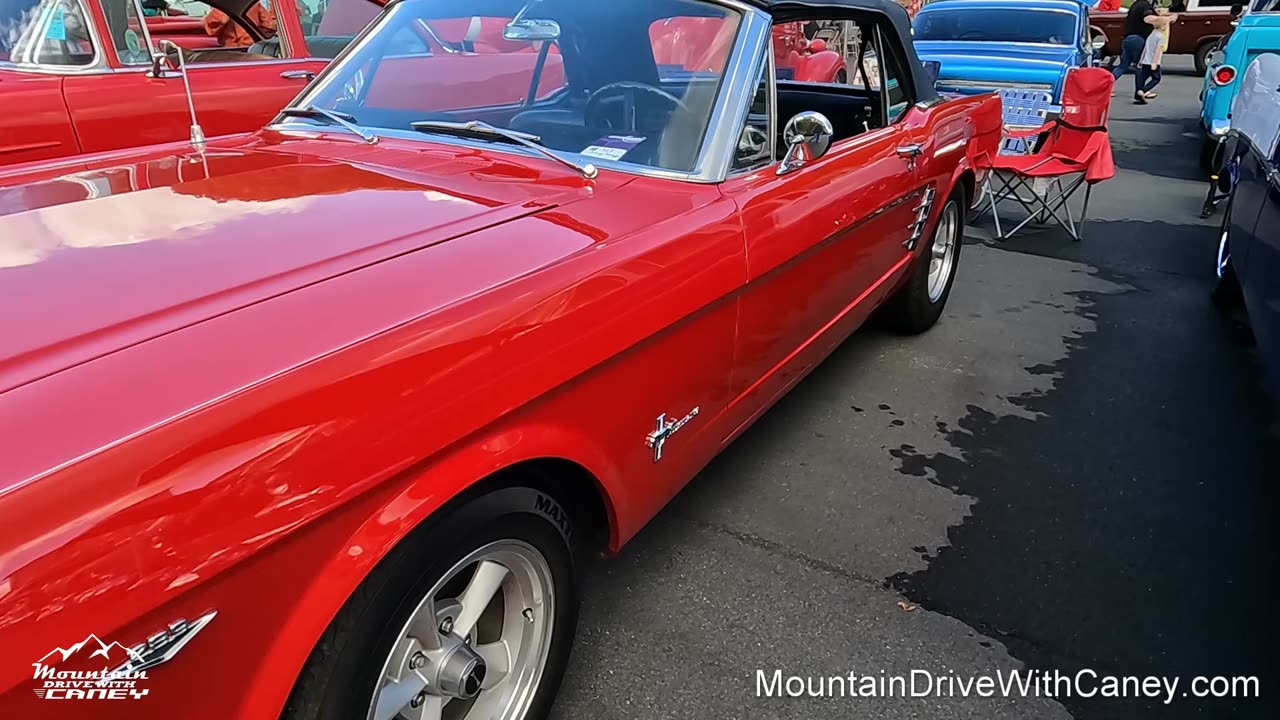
(1072,471)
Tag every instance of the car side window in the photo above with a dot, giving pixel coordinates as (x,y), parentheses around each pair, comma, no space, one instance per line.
(328,26)
(46,32)
(813,51)
(128,34)
(755,141)
(894,78)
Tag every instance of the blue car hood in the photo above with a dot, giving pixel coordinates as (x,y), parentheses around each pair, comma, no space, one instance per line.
(997,62)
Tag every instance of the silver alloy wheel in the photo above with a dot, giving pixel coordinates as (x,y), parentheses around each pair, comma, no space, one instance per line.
(942,255)
(477,644)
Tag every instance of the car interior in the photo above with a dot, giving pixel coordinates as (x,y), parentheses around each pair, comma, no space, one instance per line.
(328,32)
(660,107)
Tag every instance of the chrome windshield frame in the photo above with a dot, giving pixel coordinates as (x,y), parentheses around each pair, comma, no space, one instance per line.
(715,156)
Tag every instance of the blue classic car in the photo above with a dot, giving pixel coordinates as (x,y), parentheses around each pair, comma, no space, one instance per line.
(1256,33)
(1249,250)
(986,45)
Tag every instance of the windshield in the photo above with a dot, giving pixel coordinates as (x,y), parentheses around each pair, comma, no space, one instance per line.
(619,81)
(1266,5)
(1025,26)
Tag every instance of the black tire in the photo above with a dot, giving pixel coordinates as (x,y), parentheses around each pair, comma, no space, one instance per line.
(1202,57)
(339,678)
(910,310)
(842,77)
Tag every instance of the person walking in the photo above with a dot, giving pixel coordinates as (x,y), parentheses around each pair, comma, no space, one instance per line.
(1149,74)
(1137,29)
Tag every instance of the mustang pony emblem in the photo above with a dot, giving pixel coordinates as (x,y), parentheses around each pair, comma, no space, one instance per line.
(666,428)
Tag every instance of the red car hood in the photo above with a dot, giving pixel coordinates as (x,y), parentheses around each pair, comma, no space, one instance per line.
(98,260)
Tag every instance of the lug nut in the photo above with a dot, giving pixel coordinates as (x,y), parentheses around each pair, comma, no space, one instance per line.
(417,661)
(418,699)
(446,626)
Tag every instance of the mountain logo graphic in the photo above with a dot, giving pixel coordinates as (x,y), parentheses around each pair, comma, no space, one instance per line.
(100,649)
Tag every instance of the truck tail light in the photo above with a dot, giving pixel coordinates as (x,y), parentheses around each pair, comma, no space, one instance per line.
(1224,75)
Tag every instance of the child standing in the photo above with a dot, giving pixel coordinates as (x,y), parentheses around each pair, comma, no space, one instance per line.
(1149,74)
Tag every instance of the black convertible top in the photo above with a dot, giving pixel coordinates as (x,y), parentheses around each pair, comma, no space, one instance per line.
(895,16)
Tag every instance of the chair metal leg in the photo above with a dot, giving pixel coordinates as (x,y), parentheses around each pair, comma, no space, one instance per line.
(1049,206)
(995,214)
(1084,214)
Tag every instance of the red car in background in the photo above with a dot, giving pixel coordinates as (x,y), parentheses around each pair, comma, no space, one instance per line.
(77,76)
(691,44)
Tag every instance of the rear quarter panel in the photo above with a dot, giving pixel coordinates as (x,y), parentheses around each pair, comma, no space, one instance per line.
(965,134)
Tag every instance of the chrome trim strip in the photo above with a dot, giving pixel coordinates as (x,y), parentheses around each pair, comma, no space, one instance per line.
(1010,84)
(922,217)
(220,64)
(733,101)
(767,63)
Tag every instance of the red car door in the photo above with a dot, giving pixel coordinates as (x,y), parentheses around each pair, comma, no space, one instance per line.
(824,242)
(35,124)
(234,90)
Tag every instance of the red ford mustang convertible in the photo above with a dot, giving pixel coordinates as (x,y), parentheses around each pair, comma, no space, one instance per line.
(319,422)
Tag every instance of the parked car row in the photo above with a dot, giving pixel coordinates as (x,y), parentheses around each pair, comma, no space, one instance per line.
(1248,268)
(1256,33)
(321,418)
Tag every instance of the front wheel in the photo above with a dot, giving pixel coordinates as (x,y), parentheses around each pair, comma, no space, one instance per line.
(471,618)
(918,304)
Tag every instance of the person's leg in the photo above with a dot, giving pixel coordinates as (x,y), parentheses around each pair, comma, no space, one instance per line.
(1153,79)
(1139,82)
(1122,64)
(1130,52)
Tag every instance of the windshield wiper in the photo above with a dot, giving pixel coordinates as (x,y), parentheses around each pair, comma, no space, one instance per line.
(484,131)
(338,118)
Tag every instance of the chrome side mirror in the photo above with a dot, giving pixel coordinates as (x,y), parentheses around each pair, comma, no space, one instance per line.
(162,65)
(808,136)
(1098,42)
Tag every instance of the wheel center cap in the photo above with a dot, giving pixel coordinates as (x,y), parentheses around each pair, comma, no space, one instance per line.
(461,673)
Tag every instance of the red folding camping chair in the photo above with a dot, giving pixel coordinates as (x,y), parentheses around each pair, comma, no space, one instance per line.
(1076,153)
